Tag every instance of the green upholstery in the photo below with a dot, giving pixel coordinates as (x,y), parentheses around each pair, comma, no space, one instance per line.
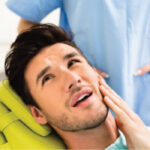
(18,130)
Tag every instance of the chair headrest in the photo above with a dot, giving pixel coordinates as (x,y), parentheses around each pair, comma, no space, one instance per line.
(18,130)
(10,99)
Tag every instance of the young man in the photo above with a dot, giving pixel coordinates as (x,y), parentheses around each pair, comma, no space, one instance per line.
(113,34)
(62,89)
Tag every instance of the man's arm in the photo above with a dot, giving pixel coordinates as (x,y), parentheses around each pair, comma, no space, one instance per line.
(24,24)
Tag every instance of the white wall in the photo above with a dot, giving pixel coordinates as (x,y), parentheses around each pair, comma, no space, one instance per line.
(8,29)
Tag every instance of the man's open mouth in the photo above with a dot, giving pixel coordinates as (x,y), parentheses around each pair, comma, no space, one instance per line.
(81,97)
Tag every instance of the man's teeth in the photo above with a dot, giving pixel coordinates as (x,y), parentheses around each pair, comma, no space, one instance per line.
(82,97)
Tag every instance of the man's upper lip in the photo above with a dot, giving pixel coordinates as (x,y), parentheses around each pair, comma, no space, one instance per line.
(78,94)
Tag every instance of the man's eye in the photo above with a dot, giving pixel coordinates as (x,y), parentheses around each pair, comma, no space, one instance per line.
(72,62)
(46,78)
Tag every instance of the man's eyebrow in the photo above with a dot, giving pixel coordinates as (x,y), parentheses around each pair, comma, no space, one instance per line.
(70,55)
(42,73)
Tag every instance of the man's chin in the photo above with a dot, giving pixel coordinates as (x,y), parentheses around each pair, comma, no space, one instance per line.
(90,123)
(98,122)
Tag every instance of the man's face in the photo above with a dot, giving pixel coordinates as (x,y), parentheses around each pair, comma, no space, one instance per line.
(65,87)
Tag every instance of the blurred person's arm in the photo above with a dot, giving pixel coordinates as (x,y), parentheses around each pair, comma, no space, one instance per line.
(24,25)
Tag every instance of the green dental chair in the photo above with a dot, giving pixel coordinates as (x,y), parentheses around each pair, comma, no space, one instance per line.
(18,130)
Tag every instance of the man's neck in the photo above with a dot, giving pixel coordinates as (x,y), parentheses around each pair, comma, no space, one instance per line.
(97,138)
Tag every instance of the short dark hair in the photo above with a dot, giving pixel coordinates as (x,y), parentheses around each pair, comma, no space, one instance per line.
(26,46)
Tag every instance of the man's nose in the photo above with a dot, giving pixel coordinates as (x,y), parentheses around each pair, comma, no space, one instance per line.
(71,80)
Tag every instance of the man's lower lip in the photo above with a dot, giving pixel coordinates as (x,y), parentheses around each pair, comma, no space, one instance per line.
(85,102)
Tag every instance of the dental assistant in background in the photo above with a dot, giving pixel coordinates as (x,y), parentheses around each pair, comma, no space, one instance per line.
(113,34)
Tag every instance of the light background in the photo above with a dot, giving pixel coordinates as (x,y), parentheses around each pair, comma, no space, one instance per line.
(8,30)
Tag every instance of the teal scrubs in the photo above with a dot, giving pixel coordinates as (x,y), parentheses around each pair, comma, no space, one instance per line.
(113,34)
(119,144)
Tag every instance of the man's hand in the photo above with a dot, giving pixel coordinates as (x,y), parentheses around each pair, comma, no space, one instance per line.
(143,70)
(136,133)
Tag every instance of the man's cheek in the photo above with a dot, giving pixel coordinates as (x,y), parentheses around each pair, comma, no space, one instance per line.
(94,80)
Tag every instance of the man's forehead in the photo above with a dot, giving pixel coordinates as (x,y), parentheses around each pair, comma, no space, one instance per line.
(53,53)
(49,56)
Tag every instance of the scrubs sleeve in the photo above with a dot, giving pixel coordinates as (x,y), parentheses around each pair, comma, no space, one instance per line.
(33,10)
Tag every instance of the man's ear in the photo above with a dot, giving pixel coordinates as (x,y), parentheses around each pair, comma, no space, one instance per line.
(38,115)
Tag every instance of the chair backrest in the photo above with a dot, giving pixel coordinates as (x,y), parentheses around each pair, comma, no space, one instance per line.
(17,126)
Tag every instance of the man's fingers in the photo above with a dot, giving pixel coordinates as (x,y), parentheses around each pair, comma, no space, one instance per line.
(108,93)
(117,101)
(102,82)
(143,70)
(121,115)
